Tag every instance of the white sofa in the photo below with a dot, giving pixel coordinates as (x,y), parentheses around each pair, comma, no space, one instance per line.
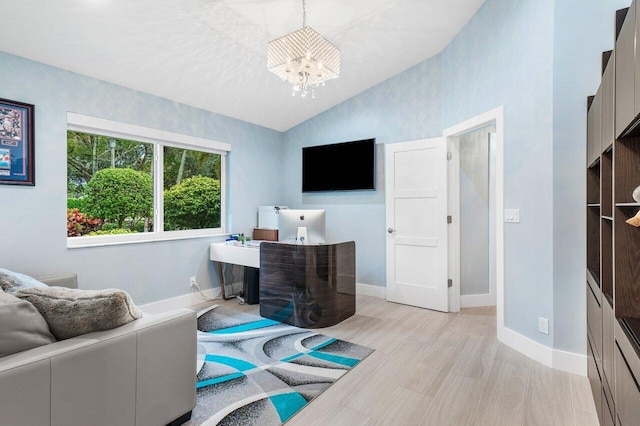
(142,373)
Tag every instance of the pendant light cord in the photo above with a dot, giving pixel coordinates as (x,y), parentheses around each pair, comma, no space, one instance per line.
(304,13)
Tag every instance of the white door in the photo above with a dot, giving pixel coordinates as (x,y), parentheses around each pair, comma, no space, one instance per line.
(416,206)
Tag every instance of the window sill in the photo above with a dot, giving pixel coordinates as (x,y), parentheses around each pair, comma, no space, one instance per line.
(139,238)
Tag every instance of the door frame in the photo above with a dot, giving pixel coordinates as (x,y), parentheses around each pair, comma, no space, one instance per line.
(495,116)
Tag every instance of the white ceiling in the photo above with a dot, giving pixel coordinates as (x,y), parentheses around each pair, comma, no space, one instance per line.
(211,54)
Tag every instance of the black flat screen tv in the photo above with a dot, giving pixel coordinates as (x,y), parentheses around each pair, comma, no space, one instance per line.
(346,166)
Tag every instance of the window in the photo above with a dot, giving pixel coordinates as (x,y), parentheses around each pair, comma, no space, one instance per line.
(128,183)
(191,189)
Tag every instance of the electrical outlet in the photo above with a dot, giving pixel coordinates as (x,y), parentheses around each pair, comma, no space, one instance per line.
(193,282)
(543,325)
(512,215)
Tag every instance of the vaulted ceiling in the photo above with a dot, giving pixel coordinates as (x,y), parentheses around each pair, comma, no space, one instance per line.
(211,54)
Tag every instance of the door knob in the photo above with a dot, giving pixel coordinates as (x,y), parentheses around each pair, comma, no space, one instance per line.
(390,230)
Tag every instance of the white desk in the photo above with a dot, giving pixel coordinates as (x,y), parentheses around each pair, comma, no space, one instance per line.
(247,255)
(244,255)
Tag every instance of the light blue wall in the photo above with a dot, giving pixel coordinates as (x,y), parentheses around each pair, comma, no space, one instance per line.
(503,57)
(579,40)
(405,107)
(34,221)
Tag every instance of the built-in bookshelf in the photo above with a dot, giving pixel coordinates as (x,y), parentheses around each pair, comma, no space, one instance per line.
(613,245)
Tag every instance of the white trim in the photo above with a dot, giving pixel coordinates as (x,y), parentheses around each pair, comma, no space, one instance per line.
(371,290)
(474,123)
(158,188)
(570,362)
(86,123)
(142,237)
(453,172)
(554,358)
(474,300)
(184,301)
(495,115)
(531,348)
(224,208)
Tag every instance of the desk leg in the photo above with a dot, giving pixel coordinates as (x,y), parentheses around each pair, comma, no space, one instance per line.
(221,277)
(222,284)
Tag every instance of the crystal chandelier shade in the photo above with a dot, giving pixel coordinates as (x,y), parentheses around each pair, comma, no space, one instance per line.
(303,58)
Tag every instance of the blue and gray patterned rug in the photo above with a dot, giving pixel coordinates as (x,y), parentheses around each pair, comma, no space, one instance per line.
(255,371)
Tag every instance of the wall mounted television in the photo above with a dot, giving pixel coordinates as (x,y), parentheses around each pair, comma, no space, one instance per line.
(345,166)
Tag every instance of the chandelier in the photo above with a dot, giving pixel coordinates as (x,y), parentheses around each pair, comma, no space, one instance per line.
(303,58)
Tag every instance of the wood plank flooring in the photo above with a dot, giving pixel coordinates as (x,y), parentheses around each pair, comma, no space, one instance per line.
(431,368)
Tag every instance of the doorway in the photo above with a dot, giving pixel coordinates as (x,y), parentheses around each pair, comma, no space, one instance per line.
(495,263)
(472,191)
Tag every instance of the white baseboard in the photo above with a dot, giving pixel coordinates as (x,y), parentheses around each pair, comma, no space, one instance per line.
(184,301)
(473,300)
(371,290)
(570,362)
(554,358)
(534,350)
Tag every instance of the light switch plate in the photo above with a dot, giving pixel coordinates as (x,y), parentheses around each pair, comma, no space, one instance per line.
(512,215)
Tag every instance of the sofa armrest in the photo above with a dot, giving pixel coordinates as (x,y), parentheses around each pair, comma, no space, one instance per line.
(145,369)
(60,280)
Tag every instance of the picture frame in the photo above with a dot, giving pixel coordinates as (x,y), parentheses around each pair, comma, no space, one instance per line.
(17,156)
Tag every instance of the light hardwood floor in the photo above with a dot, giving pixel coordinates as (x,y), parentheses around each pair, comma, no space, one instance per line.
(431,368)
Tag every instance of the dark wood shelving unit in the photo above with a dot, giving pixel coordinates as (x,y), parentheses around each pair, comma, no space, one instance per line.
(613,246)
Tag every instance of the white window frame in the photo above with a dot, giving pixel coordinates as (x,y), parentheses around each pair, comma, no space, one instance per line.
(159,138)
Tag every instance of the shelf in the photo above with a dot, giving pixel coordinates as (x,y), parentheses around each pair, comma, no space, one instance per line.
(627,204)
(597,205)
(607,218)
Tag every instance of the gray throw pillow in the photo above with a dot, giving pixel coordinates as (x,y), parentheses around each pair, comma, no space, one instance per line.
(72,312)
(21,326)
(11,281)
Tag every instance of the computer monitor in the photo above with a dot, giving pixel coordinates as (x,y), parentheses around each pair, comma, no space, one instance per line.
(290,220)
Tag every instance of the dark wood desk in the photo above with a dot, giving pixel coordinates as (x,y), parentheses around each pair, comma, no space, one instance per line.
(308,286)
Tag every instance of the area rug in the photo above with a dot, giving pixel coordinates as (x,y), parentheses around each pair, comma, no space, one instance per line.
(255,371)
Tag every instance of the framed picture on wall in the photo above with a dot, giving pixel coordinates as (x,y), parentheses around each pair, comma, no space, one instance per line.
(16,143)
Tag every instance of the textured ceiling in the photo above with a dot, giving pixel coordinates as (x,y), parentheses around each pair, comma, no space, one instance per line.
(211,54)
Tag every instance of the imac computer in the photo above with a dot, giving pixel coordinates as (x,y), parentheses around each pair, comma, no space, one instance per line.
(311,223)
